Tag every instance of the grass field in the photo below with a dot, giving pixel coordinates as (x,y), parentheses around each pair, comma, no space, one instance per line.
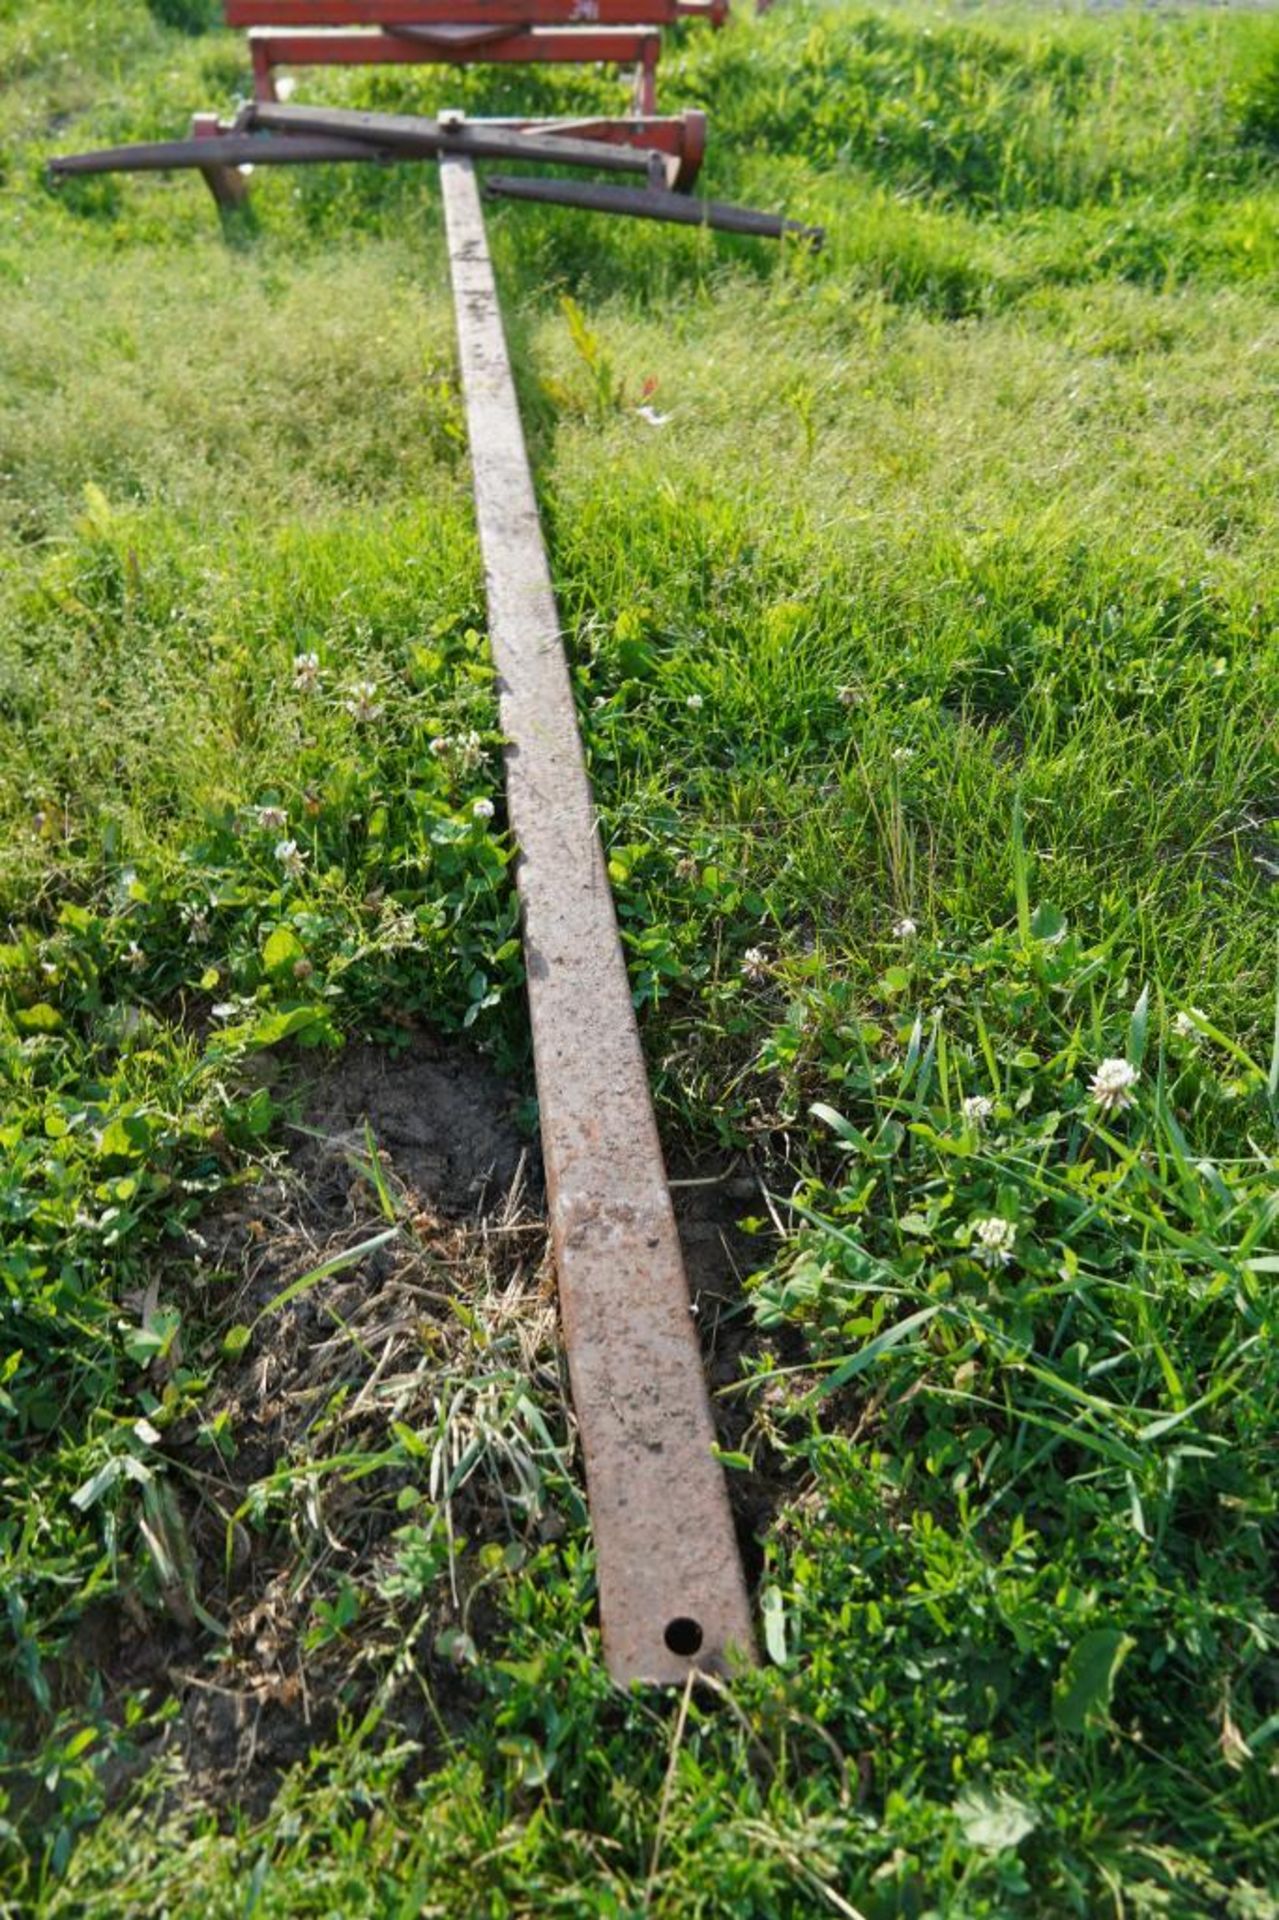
(928,660)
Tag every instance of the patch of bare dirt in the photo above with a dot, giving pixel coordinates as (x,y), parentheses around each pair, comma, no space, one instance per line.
(442,1117)
(408,1188)
(391,1265)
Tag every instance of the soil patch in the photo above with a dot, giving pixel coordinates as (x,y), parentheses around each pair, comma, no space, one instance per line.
(392,1265)
(445,1122)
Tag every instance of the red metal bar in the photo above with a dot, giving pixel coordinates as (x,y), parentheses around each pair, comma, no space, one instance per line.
(263,76)
(450,44)
(415,13)
(274,47)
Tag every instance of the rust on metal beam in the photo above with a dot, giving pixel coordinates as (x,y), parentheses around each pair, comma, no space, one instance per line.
(672,1592)
(639,203)
(454,134)
(222,150)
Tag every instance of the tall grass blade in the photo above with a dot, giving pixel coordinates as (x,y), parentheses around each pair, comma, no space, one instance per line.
(1021,871)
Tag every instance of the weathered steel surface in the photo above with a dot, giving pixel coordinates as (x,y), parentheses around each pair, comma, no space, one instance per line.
(296,147)
(640,203)
(218,150)
(672,1594)
(673,145)
(421,136)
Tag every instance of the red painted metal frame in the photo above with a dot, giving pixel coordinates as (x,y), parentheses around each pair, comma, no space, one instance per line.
(282,33)
(417,13)
(458,44)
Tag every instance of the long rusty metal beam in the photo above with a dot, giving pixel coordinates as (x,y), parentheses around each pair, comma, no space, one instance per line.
(639,203)
(214,148)
(672,1592)
(221,150)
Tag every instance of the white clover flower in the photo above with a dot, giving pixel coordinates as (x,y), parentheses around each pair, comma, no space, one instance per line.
(306,671)
(290,857)
(361,701)
(470,751)
(978,1109)
(483,810)
(754,965)
(848,696)
(196,921)
(905,928)
(275,818)
(134,957)
(440,745)
(900,755)
(694,703)
(1110,1085)
(995,1240)
(396,927)
(686,869)
(1186,1024)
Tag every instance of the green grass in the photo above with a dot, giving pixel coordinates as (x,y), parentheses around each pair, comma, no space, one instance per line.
(945,600)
